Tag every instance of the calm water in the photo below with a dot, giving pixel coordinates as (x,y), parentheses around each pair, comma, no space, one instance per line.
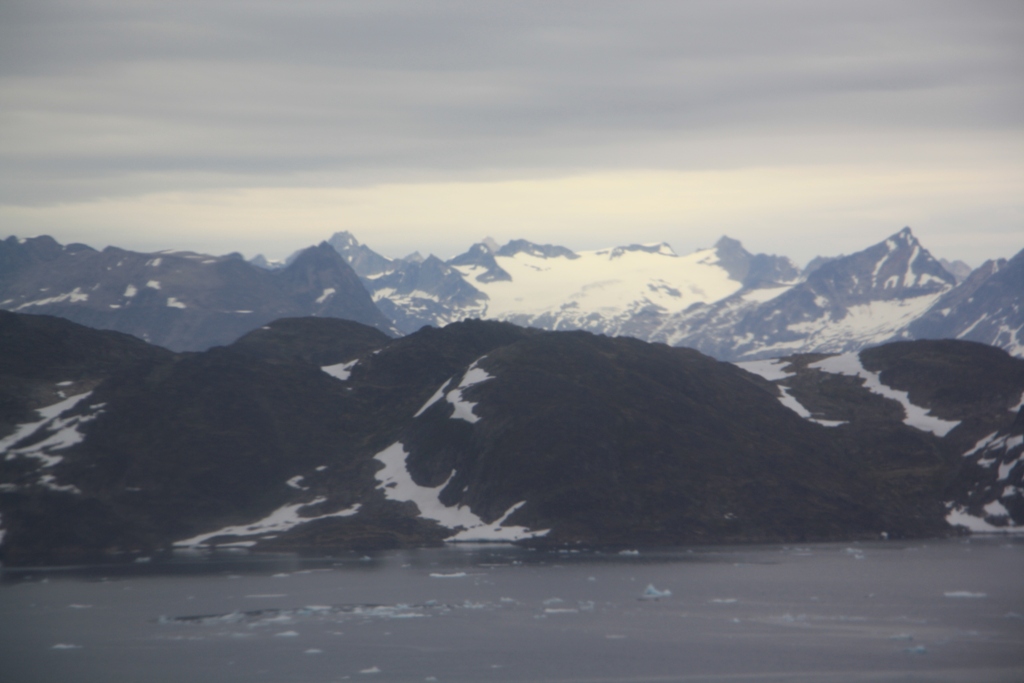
(924,611)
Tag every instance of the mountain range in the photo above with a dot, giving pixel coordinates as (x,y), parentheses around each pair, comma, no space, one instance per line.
(723,301)
(329,434)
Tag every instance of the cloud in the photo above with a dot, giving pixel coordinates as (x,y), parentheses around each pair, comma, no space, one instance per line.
(105,101)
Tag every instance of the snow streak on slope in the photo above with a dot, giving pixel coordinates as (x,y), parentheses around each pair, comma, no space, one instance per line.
(397,484)
(610,282)
(915,416)
(51,433)
(280,520)
(772,371)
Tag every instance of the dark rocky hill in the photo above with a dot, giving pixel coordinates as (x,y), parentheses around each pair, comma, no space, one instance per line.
(326,434)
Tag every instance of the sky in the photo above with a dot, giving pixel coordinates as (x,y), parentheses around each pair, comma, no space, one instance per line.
(800,127)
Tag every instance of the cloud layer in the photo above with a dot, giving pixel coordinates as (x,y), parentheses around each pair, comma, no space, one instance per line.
(121,101)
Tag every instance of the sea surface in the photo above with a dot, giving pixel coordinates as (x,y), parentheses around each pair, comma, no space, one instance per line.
(942,610)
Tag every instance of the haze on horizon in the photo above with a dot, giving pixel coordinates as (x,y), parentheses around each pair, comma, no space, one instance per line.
(799,127)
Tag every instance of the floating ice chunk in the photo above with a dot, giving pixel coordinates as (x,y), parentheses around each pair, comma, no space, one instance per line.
(652,593)
(341,371)
(65,646)
(914,416)
(454,575)
(917,650)
(964,594)
(130,291)
(287,634)
(629,552)
(371,670)
(313,651)
(724,601)
(174,303)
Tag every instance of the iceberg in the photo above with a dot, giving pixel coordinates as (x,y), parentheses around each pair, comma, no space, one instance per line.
(652,593)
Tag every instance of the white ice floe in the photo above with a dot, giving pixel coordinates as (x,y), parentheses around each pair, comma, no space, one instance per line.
(283,519)
(397,484)
(153,284)
(914,416)
(174,303)
(130,291)
(652,593)
(340,371)
(454,575)
(964,594)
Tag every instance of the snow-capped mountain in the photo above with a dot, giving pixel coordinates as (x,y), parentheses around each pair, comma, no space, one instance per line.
(181,300)
(842,305)
(724,301)
(617,291)
(987,307)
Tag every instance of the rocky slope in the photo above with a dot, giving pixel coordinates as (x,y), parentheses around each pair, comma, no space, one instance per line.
(180,300)
(322,433)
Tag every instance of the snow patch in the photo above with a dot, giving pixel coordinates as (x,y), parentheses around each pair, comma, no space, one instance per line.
(130,291)
(74,296)
(174,303)
(397,484)
(438,395)
(63,433)
(915,416)
(341,371)
(326,293)
(153,284)
(958,516)
(280,520)
(464,409)
(770,370)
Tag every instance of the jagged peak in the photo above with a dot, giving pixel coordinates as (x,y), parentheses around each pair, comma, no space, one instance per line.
(539,250)
(660,248)
(343,239)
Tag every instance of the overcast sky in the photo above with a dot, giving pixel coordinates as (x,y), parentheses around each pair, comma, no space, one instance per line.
(798,127)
